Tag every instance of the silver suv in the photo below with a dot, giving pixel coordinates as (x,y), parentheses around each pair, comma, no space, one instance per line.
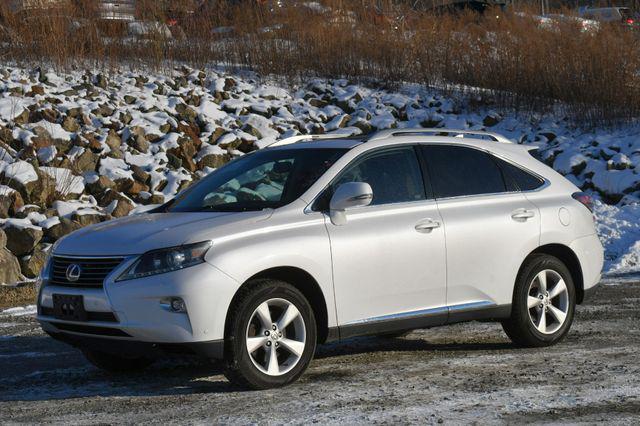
(319,238)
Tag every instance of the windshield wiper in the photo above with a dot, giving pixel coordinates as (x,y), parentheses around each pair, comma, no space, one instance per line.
(234,209)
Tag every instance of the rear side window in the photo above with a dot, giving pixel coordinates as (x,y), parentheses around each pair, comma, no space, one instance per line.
(457,171)
(523,180)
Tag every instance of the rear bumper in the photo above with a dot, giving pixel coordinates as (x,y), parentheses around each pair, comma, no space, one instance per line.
(213,349)
(590,254)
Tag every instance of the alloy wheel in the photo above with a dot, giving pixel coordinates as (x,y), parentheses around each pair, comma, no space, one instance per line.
(276,337)
(548,301)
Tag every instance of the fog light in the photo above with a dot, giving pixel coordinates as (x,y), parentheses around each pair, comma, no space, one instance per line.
(174,304)
(178,305)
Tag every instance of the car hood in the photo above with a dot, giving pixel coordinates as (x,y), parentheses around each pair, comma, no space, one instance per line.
(140,233)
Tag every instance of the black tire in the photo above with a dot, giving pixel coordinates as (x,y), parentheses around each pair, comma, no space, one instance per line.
(239,366)
(116,364)
(520,327)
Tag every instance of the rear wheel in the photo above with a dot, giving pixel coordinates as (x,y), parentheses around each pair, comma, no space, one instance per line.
(114,363)
(543,303)
(271,336)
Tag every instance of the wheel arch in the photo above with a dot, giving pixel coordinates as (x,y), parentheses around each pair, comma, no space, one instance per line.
(301,280)
(570,260)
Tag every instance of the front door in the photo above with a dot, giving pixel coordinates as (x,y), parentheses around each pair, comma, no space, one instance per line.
(389,257)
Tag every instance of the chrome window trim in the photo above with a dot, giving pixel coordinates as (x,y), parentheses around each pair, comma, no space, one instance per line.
(308,209)
(545,182)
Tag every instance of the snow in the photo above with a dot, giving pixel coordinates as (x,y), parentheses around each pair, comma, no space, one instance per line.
(213,149)
(605,162)
(115,169)
(20,171)
(47,154)
(67,208)
(6,190)
(12,106)
(17,223)
(20,311)
(54,129)
(66,182)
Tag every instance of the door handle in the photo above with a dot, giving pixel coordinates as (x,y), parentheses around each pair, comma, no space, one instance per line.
(427,225)
(522,215)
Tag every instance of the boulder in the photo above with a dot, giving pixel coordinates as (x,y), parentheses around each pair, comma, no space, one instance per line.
(21,240)
(61,229)
(185,152)
(87,219)
(31,265)
(619,162)
(86,162)
(491,119)
(140,175)
(3,239)
(10,203)
(113,141)
(101,185)
(9,267)
(213,160)
(70,124)
(133,188)
(116,203)
(139,142)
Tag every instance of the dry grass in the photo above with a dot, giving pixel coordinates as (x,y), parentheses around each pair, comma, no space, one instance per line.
(510,61)
(17,296)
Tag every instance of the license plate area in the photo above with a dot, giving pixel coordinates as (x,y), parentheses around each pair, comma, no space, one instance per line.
(69,307)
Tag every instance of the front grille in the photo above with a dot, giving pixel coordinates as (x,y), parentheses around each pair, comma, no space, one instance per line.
(93,271)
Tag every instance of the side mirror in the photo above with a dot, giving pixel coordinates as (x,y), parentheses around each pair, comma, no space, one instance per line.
(347,196)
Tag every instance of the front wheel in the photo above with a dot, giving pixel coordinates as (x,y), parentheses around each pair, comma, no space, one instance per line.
(271,337)
(544,303)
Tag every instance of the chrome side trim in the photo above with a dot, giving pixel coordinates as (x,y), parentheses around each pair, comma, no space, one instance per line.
(471,306)
(425,312)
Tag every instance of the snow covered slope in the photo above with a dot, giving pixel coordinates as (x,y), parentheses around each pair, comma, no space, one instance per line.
(79,148)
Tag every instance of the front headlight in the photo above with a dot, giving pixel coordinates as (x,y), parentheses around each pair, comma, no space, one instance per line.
(166,260)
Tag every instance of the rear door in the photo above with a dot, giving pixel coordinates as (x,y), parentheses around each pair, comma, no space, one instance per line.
(490,227)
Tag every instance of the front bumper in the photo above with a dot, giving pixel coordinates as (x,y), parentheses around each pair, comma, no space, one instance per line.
(131,311)
(135,349)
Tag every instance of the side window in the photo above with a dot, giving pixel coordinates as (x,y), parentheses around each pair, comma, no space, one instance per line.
(456,171)
(394,175)
(524,181)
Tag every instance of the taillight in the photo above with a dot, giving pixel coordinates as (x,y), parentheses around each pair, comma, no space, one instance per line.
(585,199)
(630,21)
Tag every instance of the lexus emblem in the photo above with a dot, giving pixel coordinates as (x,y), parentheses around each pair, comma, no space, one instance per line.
(73,272)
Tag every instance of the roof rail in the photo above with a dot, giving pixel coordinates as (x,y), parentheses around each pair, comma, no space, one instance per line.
(294,139)
(383,134)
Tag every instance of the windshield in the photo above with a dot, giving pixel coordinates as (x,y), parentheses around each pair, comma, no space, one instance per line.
(261,180)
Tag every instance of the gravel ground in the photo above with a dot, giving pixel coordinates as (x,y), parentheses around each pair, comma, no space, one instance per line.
(466,373)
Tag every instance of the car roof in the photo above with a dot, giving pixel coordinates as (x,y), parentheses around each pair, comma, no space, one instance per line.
(486,140)
(340,143)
